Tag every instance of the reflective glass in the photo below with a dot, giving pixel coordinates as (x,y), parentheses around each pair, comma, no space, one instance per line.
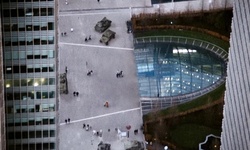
(168,69)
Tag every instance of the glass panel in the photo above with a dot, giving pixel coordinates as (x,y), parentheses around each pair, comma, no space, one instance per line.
(7,55)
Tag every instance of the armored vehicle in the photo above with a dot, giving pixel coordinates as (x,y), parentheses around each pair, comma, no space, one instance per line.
(103,146)
(102,25)
(63,84)
(107,36)
(134,145)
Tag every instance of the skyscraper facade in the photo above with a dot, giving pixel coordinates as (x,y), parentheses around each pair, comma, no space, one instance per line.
(236,124)
(2,106)
(30,71)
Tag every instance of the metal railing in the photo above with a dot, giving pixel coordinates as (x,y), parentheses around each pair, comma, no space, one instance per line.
(185,40)
(149,104)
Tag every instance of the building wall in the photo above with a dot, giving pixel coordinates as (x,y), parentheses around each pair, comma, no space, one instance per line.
(236,124)
(30,71)
(2,108)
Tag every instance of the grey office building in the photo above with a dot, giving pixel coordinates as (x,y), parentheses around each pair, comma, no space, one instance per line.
(30,71)
(236,124)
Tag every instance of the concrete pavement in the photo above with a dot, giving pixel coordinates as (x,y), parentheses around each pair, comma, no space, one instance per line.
(80,57)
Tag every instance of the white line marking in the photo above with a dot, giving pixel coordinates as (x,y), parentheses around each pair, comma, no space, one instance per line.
(108,47)
(105,115)
(95,12)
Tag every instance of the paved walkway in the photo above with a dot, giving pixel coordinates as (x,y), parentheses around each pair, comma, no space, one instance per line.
(80,57)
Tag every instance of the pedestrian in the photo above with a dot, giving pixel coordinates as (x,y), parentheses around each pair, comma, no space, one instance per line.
(71,29)
(74,93)
(68,120)
(77,93)
(106,104)
(100,133)
(66,69)
(94,132)
(90,73)
(120,74)
(86,39)
(89,37)
(84,125)
(117,74)
(62,33)
(136,131)
(65,33)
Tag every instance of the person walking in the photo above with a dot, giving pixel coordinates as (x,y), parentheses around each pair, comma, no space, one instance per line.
(90,73)
(77,93)
(74,93)
(68,120)
(106,104)
(66,69)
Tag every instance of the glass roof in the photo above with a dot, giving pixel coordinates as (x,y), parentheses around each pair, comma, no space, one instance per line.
(170,69)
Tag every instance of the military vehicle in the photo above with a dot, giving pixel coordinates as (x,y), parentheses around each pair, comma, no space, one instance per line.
(134,145)
(63,84)
(102,25)
(103,146)
(107,36)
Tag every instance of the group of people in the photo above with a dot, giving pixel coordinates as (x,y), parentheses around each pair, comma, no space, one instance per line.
(67,121)
(86,127)
(75,93)
(87,38)
(64,33)
(89,73)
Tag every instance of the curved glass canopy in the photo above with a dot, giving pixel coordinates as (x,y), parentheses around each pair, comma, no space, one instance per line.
(172,69)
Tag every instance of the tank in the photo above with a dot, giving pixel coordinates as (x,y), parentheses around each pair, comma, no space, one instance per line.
(134,145)
(63,84)
(107,36)
(102,25)
(103,146)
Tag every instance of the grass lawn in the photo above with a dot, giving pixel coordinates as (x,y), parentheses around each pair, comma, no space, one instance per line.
(188,131)
(203,100)
(188,136)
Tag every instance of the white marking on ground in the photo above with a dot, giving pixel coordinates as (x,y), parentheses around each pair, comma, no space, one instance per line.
(86,45)
(95,12)
(105,115)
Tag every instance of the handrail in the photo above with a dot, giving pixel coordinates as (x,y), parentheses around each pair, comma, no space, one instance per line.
(150,103)
(178,39)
